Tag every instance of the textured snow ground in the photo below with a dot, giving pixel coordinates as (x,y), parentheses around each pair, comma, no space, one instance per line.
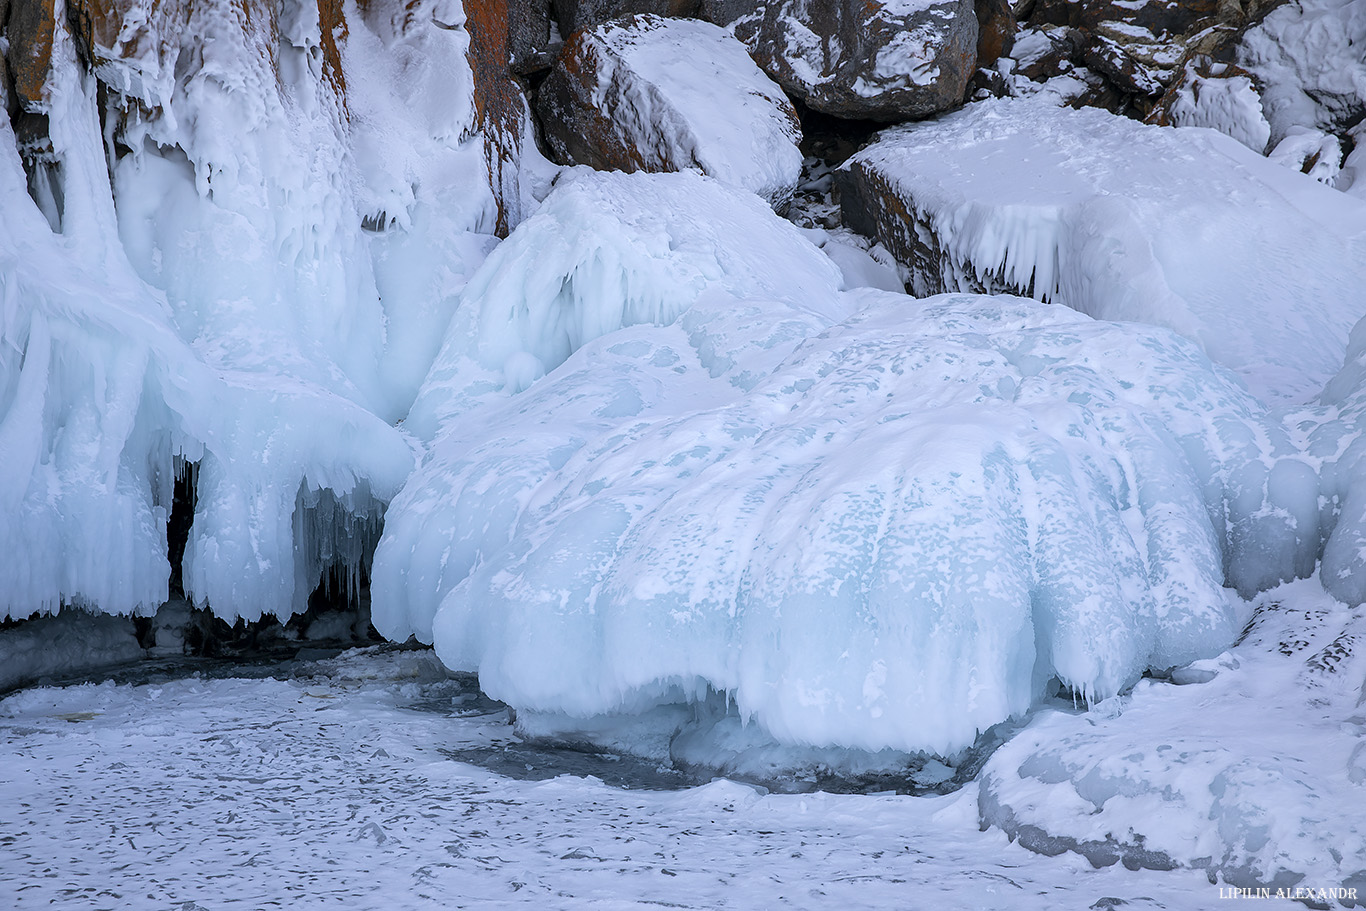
(333,787)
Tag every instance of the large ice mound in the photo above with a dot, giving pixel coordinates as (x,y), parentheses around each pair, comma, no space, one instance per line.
(892,532)
(1177,227)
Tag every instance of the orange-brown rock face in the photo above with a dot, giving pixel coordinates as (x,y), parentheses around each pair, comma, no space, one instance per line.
(31,27)
(995,31)
(499,107)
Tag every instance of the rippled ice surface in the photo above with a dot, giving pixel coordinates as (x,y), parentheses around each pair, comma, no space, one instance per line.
(332,785)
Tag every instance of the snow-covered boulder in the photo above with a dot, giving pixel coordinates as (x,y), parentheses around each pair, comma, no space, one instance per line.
(608,250)
(1182,228)
(1196,775)
(652,94)
(884,60)
(892,531)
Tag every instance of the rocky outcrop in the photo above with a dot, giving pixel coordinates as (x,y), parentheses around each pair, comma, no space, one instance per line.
(30,27)
(653,94)
(528,35)
(873,60)
(1132,53)
(573,15)
(500,109)
(996,28)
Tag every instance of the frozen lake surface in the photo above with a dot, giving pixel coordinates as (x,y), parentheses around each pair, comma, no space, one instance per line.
(332,785)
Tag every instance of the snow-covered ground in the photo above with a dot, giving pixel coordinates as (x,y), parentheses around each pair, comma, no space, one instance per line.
(337,784)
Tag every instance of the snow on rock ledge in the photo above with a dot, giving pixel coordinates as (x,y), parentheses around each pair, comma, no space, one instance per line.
(893,532)
(652,94)
(1181,228)
(608,250)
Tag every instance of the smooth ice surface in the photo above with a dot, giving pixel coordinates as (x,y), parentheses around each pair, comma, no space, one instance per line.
(331,787)
(1253,770)
(1182,228)
(890,531)
(604,251)
(259,291)
(688,91)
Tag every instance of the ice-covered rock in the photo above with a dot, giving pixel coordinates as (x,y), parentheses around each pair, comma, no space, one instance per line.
(884,60)
(889,532)
(652,94)
(1220,96)
(608,250)
(1311,152)
(1197,776)
(1182,228)
(1310,58)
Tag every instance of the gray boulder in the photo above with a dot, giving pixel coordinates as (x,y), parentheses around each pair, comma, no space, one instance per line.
(874,60)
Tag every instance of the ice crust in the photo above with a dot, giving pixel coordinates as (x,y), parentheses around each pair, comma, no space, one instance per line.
(258,292)
(1183,228)
(1262,792)
(887,531)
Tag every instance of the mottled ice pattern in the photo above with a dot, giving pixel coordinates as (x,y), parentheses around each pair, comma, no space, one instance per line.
(891,531)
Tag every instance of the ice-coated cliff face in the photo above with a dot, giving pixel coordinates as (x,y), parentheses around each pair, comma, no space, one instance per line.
(233,243)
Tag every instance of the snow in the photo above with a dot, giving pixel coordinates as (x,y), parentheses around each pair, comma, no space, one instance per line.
(687,90)
(1311,151)
(1254,774)
(1183,228)
(254,298)
(333,785)
(604,251)
(886,532)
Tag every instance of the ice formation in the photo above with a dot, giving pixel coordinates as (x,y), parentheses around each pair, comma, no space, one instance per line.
(891,531)
(1182,228)
(608,250)
(257,294)
(1213,95)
